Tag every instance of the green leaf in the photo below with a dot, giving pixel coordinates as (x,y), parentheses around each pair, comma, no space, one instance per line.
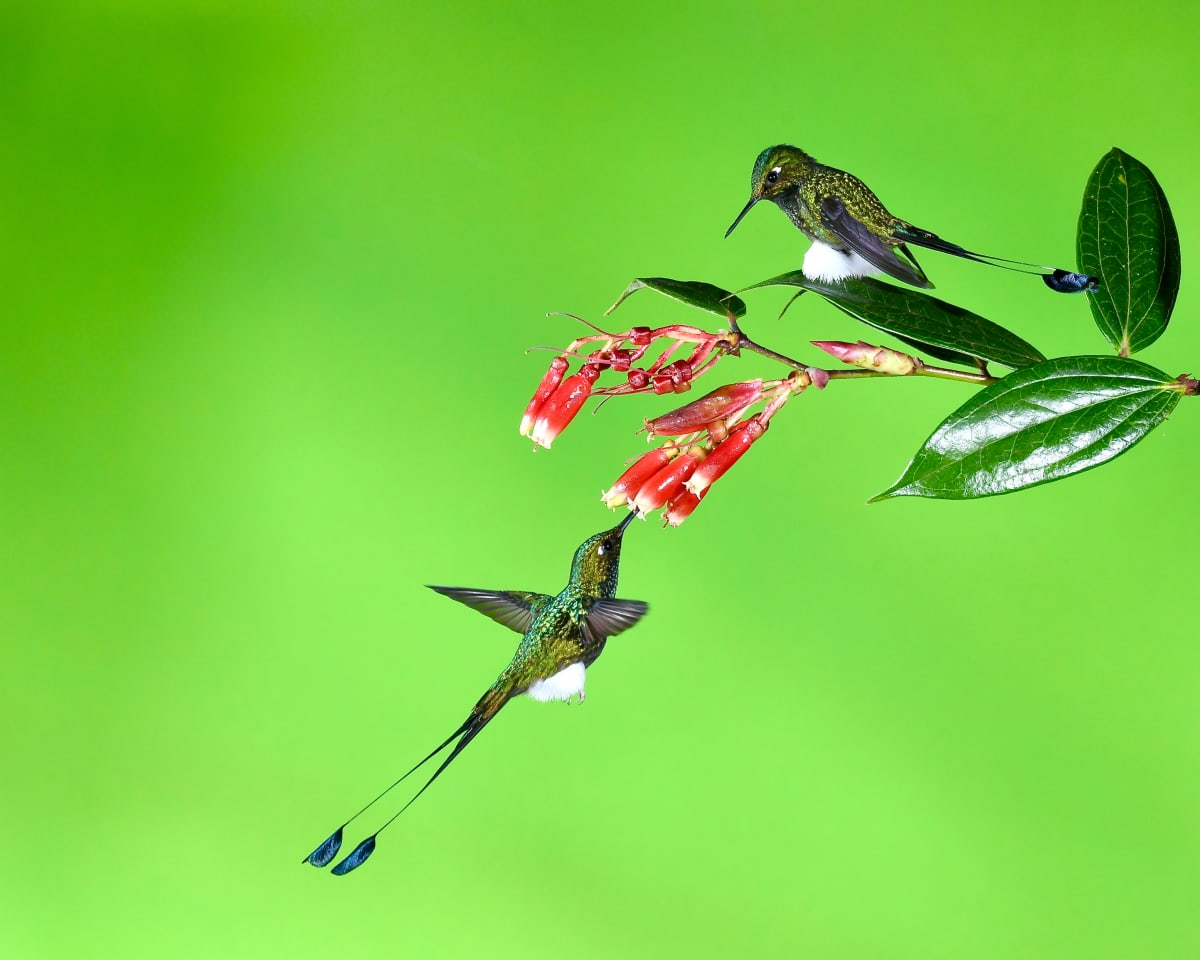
(695,293)
(1127,238)
(1039,424)
(942,329)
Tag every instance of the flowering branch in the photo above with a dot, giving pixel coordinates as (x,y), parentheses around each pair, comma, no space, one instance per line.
(1046,419)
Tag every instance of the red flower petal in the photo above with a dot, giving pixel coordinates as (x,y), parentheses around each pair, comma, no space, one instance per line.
(551,380)
(723,403)
(681,507)
(725,455)
(563,405)
(668,481)
(630,482)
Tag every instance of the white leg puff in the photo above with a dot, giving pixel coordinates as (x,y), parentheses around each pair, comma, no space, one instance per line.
(828,265)
(562,686)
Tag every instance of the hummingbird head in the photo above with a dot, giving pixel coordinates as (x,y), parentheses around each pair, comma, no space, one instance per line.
(777,172)
(597,559)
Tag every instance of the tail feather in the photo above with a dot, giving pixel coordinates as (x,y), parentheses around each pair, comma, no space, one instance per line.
(1061,281)
(487,707)
(931,241)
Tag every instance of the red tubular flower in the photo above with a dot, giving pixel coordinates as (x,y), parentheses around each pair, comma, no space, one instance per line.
(722,404)
(681,507)
(725,455)
(554,376)
(668,481)
(562,406)
(630,482)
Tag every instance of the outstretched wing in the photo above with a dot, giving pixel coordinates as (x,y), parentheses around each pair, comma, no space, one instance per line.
(608,617)
(514,609)
(877,251)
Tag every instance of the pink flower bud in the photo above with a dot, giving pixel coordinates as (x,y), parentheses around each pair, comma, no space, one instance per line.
(551,380)
(681,507)
(631,481)
(723,403)
(562,406)
(869,356)
(668,481)
(725,455)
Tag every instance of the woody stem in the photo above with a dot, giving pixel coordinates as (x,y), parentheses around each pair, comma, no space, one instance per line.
(743,342)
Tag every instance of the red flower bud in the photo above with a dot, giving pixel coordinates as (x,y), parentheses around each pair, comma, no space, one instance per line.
(723,403)
(563,405)
(631,481)
(619,360)
(551,380)
(675,377)
(668,481)
(725,455)
(638,378)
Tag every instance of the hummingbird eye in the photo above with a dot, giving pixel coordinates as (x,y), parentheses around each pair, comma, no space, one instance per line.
(605,546)
(773,176)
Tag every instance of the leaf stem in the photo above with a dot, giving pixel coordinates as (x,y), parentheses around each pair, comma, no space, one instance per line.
(743,342)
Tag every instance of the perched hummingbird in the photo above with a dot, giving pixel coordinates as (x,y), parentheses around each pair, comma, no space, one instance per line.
(561,637)
(853,233)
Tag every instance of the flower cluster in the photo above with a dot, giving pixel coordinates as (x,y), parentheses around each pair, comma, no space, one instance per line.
(709,435)
(677,476)
(559,398)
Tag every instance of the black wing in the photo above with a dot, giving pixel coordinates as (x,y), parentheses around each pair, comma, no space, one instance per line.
(876,251)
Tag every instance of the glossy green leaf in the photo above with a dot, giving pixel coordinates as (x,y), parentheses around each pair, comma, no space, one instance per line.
(941,329)
(1039,424)
(695,293)
(1127,238)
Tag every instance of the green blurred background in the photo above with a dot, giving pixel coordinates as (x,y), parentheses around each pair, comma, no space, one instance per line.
(271,272)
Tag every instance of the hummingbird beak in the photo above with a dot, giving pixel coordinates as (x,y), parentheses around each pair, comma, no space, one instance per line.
(624,523)
(745,210)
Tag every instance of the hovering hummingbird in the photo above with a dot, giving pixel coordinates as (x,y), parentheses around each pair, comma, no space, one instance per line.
(561,637)
(853,233)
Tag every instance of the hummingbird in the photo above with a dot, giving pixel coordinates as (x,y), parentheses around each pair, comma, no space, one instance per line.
(853,233)
(561,637)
